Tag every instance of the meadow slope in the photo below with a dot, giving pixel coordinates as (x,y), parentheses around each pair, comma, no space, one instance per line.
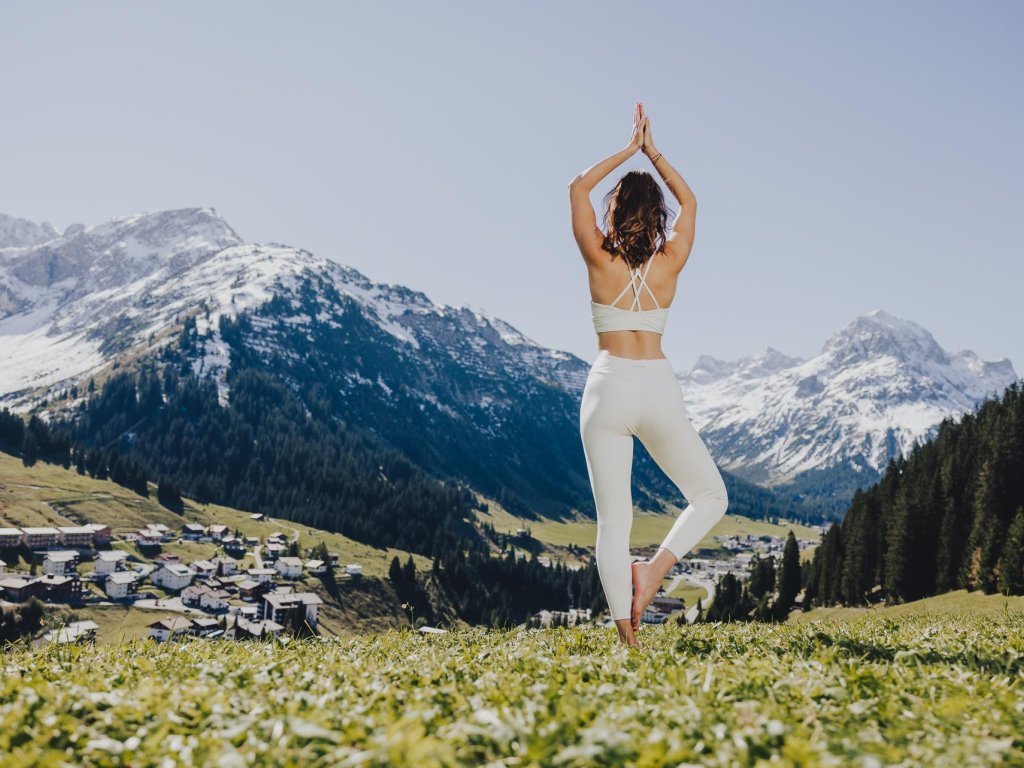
(937,690)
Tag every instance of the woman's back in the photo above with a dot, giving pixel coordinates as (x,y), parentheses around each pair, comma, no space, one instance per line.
(630,306)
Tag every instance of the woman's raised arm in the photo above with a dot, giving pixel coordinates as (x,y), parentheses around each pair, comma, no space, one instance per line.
(584,220)
(680,239)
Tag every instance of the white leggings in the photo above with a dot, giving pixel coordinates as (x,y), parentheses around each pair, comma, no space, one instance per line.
(624,398)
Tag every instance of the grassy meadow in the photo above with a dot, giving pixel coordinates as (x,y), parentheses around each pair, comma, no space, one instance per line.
(649,529)
(918,690)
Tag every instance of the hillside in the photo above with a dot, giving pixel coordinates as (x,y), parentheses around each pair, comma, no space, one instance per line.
(45,494)
(957,603)
(948,516)
(938,691)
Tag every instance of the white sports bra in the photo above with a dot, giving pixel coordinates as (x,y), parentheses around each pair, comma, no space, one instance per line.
(608,317)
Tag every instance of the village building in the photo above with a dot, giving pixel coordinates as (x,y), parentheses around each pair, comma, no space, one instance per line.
(274,550)
(172,576)
(119,585)
(110,560)
(215,600)
(60,589)
(205,627)
(233,545)
(316,567)
(262,575)
(251,590)
(74,632)
(75,536)
(192,531)
(147,537)
(101,534)
(168,627)
(226,566)
(18,590)
(11,537)
(280,607)
(204,569)
(39,537)
(354,569)
(244,628)
(205,597)
(60,561)
(289,567)
(218,531)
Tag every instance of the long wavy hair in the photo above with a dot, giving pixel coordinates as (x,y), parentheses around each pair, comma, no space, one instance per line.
(635,224)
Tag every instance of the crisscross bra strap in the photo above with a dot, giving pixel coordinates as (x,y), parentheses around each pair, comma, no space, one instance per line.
(635,274)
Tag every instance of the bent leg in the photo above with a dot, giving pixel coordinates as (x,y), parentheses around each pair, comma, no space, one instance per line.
(677,448)
(608,447)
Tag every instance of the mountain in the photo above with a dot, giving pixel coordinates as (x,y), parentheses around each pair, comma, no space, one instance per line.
(879,385)
(462,394)
(20,232)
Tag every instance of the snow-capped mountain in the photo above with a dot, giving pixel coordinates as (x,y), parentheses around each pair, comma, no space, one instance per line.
(18,232)
(878,385)
(69,305)
(459,392)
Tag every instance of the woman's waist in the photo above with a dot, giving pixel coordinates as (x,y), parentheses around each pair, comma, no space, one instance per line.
(632,345)
(636,368)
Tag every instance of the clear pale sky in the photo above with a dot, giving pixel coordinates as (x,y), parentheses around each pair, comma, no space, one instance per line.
(846,157)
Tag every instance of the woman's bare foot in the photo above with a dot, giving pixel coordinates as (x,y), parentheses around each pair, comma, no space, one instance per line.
(626,634)
(646,582)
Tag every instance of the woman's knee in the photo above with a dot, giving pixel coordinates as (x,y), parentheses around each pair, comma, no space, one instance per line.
(716,500)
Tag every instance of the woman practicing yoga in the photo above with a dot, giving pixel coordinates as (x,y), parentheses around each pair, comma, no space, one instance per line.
(632,389)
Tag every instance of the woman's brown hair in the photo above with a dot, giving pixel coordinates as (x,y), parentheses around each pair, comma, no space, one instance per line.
(636,227)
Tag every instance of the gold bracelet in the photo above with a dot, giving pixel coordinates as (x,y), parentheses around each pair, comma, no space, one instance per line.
(653,159)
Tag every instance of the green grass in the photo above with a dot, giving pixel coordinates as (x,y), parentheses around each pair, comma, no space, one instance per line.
(690,593)
(975,603)
(925,690)
(649,529)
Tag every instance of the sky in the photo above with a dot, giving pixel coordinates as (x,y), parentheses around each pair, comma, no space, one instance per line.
(846,157)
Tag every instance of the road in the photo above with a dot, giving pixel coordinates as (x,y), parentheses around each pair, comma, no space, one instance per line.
(706,602)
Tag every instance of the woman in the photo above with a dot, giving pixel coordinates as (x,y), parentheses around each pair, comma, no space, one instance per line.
(632,389)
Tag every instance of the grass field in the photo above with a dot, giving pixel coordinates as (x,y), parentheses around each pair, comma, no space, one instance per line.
(648,529)
(690,593)
(926,690)
(974,603)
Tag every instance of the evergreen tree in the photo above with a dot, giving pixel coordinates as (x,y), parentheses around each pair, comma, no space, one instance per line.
(1011,564)
(979,568)
(29,448)
(789,578)
(897,557)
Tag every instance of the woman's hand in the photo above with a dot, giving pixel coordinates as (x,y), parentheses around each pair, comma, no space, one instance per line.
(648,141)
(636,141)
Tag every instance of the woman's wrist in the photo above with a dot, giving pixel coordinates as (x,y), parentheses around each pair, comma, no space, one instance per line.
(651,151)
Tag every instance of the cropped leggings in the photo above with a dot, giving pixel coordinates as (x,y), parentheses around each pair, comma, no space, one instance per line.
(624,398)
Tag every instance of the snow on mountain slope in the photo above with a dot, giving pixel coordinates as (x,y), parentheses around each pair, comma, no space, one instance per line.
(75,302)
(878,385)
(15,233)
